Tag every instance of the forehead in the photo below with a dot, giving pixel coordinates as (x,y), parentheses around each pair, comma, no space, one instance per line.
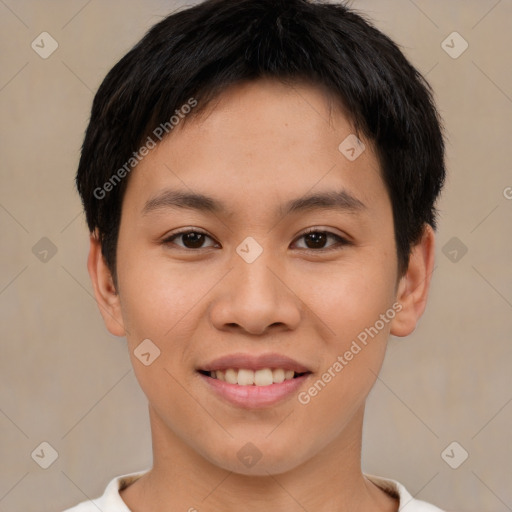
(256,142)
(253,111)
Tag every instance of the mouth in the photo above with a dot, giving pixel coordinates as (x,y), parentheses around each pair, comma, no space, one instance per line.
(248,377)
(250,382)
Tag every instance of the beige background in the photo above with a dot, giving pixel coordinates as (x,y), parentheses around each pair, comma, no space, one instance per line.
(66,381)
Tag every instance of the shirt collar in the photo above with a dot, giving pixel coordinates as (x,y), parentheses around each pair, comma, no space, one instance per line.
(112,501)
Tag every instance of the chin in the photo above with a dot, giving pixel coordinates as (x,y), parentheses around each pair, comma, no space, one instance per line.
(251,461)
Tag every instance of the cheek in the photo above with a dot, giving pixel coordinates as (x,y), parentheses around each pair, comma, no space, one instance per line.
(356,306)
(157,296)
(349,298)
(161,301)
(158,301)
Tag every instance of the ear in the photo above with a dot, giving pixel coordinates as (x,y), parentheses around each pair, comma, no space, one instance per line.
(414,285)
(104,289)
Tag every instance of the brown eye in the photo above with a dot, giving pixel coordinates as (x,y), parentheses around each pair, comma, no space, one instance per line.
(193,240)
(189,239)
(316,240)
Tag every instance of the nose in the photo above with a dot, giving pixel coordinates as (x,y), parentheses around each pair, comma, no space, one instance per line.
(256,298)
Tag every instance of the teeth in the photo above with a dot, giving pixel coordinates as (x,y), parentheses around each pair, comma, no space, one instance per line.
(261,377)
(246,377)
(231,376)
(278,375)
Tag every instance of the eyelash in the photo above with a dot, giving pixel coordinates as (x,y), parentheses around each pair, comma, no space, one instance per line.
(341,241)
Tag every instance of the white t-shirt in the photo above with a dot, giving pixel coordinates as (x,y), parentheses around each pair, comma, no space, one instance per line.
(111,500)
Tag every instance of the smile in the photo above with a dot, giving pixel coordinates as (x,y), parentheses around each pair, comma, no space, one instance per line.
(247,377)
(257,389)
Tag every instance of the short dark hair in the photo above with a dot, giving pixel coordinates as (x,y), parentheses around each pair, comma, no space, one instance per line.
(199,51)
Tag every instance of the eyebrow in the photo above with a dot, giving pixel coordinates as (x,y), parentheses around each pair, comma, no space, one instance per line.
(329,200)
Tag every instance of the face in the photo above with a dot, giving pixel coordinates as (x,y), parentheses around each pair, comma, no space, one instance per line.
(257,275)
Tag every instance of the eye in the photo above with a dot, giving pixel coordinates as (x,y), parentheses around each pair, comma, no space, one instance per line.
(316,239)
(191,239)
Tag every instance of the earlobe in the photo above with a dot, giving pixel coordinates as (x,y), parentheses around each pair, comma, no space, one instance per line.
(413,288)
(105,292)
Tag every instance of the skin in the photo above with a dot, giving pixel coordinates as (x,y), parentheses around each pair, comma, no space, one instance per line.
(260,145)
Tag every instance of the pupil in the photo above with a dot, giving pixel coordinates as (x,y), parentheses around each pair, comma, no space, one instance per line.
(195,239)
(318,240)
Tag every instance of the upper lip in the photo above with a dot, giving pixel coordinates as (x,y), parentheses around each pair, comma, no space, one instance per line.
(254,362)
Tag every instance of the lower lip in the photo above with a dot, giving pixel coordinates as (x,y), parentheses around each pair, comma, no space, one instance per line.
(254,397)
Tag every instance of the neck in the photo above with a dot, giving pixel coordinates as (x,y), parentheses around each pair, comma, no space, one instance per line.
(182,479)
